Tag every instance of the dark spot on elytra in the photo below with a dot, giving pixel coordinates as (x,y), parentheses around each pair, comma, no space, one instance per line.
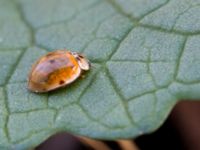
(81,56)
(50,54)
(78,58)
(61,82)
(52,61)
(71,66)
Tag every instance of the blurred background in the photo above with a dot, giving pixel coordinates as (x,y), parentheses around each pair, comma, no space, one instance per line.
(181,131)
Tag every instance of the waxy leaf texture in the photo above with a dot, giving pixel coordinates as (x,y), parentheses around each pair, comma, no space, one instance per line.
(145,58)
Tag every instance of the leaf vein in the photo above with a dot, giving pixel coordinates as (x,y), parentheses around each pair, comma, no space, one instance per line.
(164,30)
(179,58)
(121,97)
(23,18)
(12,70)
(7,116)
(71,18)
(121,11)
(119,44)
(92,118)
(155,9)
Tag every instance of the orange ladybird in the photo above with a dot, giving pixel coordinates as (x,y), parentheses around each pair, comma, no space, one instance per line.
(56,69)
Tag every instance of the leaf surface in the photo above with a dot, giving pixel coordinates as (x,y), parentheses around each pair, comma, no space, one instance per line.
(145,57)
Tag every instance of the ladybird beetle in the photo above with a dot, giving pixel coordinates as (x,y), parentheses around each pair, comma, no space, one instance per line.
(56,69)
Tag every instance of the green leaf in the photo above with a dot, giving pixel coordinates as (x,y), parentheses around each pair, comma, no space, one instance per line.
(145,57)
